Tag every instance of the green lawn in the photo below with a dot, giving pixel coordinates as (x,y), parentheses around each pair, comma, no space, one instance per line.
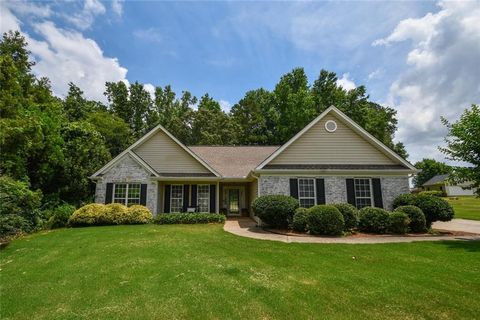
(200,271)
(466,207)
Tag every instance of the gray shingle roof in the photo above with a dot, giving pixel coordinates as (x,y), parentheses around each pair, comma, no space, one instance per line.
(437,179)
(233,161)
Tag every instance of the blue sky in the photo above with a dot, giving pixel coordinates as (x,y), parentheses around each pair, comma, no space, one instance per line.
(418,57)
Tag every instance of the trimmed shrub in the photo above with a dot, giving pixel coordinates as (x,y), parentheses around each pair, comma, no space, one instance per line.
(12,224)
(136,214)
(434,208)
(17,199)
(373,220)
(189,218)
(434,193)
(398,222)
(416,216)
(113,213)
(406,199)
(299,222)
(59,216)
(275,210)
(349,213)
(87,215)
(325,220)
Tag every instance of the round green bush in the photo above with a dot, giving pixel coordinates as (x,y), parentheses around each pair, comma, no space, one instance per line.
(87,215)
(398,222)
(275,210)
(299,222)
(434,209)
(325,220)
(59,216)
(13,224)
(17,199)
(349,213)
(112,214)
(373,220)
(406,199)
(417,218)
(136,214)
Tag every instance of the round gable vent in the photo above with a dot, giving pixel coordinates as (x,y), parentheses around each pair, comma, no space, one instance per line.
(330,126)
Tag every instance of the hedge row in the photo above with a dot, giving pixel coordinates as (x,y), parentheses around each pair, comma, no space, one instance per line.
(95,214)
(189,218)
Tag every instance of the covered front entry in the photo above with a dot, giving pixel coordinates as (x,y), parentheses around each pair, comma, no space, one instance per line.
(234,199)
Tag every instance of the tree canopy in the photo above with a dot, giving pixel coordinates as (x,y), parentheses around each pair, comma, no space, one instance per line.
(429,168)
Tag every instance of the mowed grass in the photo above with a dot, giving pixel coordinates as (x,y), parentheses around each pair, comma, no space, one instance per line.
(202,272)
(466,207)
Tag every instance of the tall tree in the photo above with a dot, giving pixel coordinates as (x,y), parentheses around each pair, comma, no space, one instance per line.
(115,132)
(463,144)
(212,126)
(429,168)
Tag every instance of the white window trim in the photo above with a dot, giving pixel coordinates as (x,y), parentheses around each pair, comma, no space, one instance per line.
(198,198)
(126,192)
(171,197)
(314,190)
(371,191)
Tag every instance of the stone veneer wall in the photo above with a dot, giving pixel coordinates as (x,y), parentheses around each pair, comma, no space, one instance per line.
(335,187)
(128,170)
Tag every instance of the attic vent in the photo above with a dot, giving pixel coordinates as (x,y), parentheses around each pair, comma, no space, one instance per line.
(330,126)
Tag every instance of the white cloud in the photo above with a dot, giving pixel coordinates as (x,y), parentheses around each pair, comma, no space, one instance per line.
(225,105)
(346,83)
(117,7)
(375,74)
(441,78)
(150,88)
(8,21)
(29,8)
(84,19)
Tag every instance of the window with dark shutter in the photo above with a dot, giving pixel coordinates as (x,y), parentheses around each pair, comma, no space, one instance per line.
(350,192)
(143,194)
(320,191)
(186,189)
(294,188)
(212,198)
(377,193)
(109,193)
(166,205)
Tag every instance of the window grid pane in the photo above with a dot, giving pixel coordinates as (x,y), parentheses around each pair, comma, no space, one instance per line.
(176,198)
(203,197)
(120,193)
(306,192)
(133,194)
(363,194)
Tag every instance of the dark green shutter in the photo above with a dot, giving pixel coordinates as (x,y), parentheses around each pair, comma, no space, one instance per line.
(194,203)
(143,194)
(186,188)
(212,198)
(109,193)
(166,205)
(377,193)
(294,187)
(351,192)
(320,186)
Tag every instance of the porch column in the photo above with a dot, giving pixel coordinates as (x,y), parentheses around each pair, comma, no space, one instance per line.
(217,198)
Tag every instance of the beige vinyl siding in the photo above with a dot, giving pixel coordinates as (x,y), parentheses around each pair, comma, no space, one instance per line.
(165,155)
(344,146)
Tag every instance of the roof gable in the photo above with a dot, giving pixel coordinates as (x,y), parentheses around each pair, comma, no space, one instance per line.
(349,144)
(160,152)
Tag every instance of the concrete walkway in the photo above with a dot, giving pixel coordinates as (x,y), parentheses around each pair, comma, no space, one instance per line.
(245,227)
(458,225)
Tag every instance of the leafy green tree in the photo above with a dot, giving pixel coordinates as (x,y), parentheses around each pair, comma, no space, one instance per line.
(463,144)
(85,152)
(294,104)
(76,106)
(212,126)
(254,116)
(429,169)
(115,131)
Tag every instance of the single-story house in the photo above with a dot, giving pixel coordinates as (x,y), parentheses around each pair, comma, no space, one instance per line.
(331,160)
(441,183)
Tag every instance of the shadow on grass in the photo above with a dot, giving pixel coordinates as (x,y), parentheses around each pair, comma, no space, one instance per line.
(467,245)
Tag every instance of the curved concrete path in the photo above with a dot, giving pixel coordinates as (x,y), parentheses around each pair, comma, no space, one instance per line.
(246,227)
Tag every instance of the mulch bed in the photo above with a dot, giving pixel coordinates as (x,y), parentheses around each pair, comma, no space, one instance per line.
(436,233)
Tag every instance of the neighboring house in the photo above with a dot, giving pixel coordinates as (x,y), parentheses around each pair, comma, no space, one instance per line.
(441,183)
(331,160)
